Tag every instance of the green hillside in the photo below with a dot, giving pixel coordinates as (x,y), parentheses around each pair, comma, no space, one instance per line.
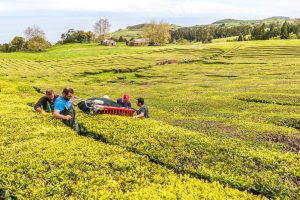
(224,123)
(235,22)
(135,31)
(127,33)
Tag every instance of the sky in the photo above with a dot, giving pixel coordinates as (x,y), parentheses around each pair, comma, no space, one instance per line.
(57,16)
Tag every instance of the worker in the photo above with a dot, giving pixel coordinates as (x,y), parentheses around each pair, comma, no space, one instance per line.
(125,101)
(46,103)
(64,109)
(143,111)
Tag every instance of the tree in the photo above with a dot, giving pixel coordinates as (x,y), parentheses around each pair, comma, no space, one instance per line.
(121,39)
(241,38)
(33,32)
(259,32)
(274,31)
(206,33)
(255,34)
(6,48)
(158,33)
(101,28)
(293,36)
(17,43)
(284,31)
(206,36)
(35,39)
(295,28)
(37,44)
(72,36)
(264,34)
(69,36)
(81,37)
(90,36)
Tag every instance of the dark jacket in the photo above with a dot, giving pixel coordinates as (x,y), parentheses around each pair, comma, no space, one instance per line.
(45,103)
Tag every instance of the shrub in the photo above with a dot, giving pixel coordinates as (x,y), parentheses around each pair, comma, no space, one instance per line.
(293,36)
(37,44)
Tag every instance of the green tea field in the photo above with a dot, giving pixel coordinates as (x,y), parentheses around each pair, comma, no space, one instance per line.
(224,123)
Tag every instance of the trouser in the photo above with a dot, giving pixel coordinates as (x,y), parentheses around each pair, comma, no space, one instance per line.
(72,122)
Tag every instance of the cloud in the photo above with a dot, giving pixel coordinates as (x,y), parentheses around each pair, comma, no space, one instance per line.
(57,16)
(95,5)
(154,7)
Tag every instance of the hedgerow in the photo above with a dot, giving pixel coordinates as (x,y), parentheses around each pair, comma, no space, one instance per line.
(286,121)
(291,100)
(229,161)
(43,159)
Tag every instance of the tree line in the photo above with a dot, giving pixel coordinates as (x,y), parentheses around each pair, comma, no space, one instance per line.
(276,31)
(206,34)
(101,31)
(34,41)
(158,33)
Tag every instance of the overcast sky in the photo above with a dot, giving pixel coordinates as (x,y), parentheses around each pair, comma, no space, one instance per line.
(57,16)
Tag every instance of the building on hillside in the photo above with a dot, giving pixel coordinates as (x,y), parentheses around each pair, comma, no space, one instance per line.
(109,42)
(139,42)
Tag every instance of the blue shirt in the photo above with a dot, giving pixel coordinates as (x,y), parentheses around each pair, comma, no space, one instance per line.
(61,104)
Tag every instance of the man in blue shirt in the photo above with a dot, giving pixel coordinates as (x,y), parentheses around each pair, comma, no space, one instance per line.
(63,109)
(143,111)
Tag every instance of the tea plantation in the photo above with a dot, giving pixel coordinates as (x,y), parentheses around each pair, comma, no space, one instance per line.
(225,120)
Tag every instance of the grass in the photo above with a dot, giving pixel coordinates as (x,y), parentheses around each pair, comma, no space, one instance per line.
(228,39)
(127,33)
(227,115)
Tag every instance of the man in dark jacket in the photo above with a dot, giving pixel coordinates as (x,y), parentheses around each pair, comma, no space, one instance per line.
(46,103)
(125,102)
(143,111)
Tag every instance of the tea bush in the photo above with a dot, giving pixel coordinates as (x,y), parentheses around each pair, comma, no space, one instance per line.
(43,159)
(229,161)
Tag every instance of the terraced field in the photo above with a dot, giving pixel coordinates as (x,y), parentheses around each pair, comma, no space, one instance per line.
(224,123)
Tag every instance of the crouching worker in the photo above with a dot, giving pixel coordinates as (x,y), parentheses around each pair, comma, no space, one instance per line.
(125,102)
(46,103)
(64,109)
(143,111)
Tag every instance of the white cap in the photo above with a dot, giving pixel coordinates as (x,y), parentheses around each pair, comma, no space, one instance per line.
(106,97)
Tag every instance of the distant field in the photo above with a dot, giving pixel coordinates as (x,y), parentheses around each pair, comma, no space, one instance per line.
(224,123)
(128,34)
(229,39)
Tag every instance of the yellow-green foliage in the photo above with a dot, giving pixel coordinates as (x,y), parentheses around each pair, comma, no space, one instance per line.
(229,161)
(226,112)
(41,159)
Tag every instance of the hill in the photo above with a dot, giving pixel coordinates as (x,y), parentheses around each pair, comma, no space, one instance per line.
(135,31)
(129,32)
(236,22)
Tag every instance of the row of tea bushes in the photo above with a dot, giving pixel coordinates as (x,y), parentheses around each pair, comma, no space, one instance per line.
(229,161)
